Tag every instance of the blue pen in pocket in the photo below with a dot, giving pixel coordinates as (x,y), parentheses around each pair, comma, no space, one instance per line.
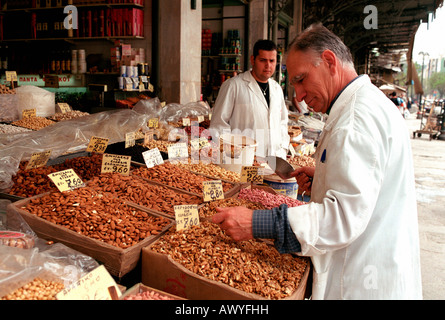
(323,156)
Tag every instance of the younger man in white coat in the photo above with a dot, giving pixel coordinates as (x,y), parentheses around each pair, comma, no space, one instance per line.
(360,228)
(252,104)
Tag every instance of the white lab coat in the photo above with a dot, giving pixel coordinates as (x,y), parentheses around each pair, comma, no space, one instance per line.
(241,108)
(361,227)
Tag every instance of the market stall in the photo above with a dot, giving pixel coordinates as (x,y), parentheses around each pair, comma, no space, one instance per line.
(122,187)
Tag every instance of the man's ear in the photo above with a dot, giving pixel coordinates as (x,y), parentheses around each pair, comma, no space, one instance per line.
(330,58)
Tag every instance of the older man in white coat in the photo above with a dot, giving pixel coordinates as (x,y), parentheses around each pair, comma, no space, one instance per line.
(252,104)
(360,228)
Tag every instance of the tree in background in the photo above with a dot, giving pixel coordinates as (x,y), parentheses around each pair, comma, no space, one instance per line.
(436,82)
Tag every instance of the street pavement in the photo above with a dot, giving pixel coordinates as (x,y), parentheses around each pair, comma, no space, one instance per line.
(429,170)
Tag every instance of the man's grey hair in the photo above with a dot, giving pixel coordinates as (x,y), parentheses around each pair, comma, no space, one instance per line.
(317,38)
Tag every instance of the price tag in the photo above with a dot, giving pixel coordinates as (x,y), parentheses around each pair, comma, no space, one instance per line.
(151,88)
(186,216)
(64,107)
(252,174)
(11,75)
(186,122)
(66,180)
(200,143)
(38,160)
(163,104)
(149,136)
(210,116)
(213,190)
(130,139)
(95,285)
(116,163)
(29,113)
(292,150)
(178,150)
(152,157)
(97,144)
(153,123)
(201,119)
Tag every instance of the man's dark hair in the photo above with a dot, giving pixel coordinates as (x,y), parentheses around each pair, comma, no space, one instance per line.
(266,45)
(393,94)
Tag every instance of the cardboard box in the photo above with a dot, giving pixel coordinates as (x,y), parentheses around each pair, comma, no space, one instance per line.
(161,272)
(139,288)
(118,261)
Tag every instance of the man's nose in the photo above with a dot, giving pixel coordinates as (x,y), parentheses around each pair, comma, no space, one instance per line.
(299,92)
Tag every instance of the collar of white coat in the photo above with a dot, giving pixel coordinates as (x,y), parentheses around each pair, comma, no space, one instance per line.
(339,105)
(253,85)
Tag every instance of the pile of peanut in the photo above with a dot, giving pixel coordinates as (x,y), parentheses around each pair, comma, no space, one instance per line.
(98,216)
(251,266)
(68,115)
(267,199)
(33,123)
(38,289)
(135,189)
(28,183)
(174,176)
(212,170)
(209,209)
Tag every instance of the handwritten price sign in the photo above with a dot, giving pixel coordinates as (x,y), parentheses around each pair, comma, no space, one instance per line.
(38,160)
(251,174)
(186,216)
(66,180)
(152,157)
(213,190)
(97,144)
(116,163)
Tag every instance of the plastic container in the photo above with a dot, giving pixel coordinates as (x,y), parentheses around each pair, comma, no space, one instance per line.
(287,187)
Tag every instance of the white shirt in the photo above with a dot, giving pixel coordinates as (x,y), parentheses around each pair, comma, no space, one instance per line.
(242,109)
(361,227)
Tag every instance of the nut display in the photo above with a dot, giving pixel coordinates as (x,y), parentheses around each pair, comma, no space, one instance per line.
(269,200)
(98,216)
(68,115)
(212,170)
(148,295)
(135,189)
(16,239)
(8,129)
(6,90)
(33,123)
(35,181)
(251,266)
(302,161)
(174,176)
(209,209)
(38,289)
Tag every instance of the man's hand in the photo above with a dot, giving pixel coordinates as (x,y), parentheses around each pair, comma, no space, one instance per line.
(304,176)
(235,221)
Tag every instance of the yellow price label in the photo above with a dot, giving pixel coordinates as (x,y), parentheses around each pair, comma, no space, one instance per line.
(38,160)
(66,180)
(251,174)
(116,163)
(11,75)
(96,285)
(153,123)
(201,119)
(149,136)
(64,107)
(213,190)
(29,113)
(97,144)
(186,216)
